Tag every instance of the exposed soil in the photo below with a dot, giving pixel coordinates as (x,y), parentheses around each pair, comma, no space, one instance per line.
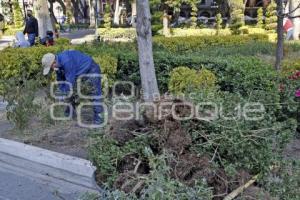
(60,136)
(67,137)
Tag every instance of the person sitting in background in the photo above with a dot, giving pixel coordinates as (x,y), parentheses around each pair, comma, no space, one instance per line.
(21,41)
(48,40)
(31,28)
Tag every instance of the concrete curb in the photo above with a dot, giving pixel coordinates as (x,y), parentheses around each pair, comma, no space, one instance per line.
(55,165)
(48,158)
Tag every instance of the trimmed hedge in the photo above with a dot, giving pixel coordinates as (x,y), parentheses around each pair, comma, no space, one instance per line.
(13,61)
(183,44)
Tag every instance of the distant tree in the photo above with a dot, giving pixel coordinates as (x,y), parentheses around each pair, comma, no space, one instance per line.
(18,15)
(260,18)
(237,9)
(107,17)
(92,13)
(194,13)
(117,13)
(7,10)
(271,17)
(219,22)
(69,12)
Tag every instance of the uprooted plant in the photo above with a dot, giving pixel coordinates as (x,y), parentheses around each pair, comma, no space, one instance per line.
(19,93)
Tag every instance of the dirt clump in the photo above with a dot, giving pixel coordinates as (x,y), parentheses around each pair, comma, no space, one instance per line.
(132,163)
(123,131)
(169,134)
(173,137)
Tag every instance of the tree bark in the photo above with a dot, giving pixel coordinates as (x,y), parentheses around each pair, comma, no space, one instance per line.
(43,17)
(92,13)
(166,28)
(293,4)
(52,16)
(280,36)
(144,39)
(133,13)
(62,4)
(76,10)
(117,13)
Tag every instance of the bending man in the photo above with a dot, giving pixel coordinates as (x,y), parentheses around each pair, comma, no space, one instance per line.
(71,64)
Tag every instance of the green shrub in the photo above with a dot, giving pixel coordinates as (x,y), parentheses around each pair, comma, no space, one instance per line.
(107,18)
(108,67)
(219,22)
(183,78)
(106,154)
(62,41)
(194,13)
(118,34)
(183,44)
(18,16)
(253,145)
(290,65)
(260,18)
(20,93)
(236,16)
(271,17)
(160,186)
(186,32)
(284,182)
(244,30)
(10,30)
(14,61)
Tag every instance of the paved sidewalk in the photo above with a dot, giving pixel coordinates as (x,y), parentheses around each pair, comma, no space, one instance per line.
(76,36)
(80,36)
(31,173)
(18,187)
(6,41)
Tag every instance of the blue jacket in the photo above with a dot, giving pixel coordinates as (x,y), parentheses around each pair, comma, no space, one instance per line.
(71,64)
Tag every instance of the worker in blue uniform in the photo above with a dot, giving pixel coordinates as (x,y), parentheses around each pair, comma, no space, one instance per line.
(71,64)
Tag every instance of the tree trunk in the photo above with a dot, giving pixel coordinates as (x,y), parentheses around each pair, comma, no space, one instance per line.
(43,17)
(62,4)
(92,13)
(52,16)
(293,4)
(144,39)
(76,10)
(133,13)
(166,28)
(117,13)
(280,36)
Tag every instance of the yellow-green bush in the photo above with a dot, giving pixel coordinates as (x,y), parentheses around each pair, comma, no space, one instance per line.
(14,61)
(122,34)
(10,30)
(108,66)
(290,66)
(184,78)
(180,32)
(193,43)
(62,41)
